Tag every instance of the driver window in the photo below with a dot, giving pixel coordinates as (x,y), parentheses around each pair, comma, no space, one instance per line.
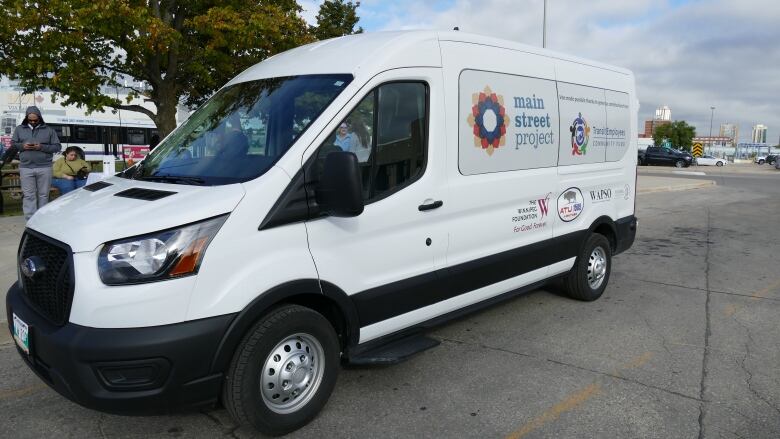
(387,133)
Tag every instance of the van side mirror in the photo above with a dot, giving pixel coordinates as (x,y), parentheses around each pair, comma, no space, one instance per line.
(340,190)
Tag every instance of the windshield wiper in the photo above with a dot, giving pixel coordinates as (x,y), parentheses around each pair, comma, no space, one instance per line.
(175,179)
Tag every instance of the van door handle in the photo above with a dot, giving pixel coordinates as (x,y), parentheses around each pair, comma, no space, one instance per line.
(430,206)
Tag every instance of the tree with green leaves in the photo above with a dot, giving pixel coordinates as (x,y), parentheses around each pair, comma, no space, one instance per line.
(679,133)
(182,50)
(334,17)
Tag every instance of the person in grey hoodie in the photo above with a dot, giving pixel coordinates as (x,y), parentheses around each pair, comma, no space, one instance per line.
(37,143)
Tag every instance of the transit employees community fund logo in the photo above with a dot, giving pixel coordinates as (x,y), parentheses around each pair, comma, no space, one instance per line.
(580,134)
(488,120)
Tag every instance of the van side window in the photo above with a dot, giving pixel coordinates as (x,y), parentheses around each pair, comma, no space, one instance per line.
(387,133)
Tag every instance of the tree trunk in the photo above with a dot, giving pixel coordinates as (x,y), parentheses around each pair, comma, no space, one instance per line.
(165,119)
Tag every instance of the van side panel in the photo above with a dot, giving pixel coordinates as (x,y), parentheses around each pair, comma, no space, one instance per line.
(597,167)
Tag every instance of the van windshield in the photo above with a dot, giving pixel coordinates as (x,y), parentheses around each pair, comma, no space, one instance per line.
(240,132)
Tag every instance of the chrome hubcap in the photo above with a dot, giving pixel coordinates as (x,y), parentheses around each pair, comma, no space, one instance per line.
(597,268)
(292,373)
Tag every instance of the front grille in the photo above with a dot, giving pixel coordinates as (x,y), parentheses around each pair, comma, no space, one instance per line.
(50,292)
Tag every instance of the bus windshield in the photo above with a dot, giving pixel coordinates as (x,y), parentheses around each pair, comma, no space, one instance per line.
(240,132)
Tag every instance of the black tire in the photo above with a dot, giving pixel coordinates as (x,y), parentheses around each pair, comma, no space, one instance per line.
(241,392)
(679,164)
(719,164)
(760,162)
(641,162)
(576,282)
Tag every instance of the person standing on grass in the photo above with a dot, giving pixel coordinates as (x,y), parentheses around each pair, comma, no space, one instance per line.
(37,142)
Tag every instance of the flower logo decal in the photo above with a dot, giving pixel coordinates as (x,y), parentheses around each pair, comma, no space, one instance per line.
(580,133)
(488,120)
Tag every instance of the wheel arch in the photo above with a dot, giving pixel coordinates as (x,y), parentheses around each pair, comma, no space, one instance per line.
(606,226)
(323,297)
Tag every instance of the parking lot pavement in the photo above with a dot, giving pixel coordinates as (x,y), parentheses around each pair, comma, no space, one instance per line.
(682,344)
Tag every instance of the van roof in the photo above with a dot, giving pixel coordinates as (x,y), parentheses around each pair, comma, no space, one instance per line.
(373,52)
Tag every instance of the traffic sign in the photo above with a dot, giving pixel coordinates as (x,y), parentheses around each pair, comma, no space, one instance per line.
(698,150)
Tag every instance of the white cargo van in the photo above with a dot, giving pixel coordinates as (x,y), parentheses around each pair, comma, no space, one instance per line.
(326,206)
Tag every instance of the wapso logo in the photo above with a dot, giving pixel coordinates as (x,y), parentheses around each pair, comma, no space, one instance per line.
(580,134)
(570,204)
(488,120)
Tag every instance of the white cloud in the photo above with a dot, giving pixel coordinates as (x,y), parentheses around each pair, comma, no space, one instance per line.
(688,55)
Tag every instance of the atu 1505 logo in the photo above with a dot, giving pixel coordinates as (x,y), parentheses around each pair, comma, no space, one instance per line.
(570,204)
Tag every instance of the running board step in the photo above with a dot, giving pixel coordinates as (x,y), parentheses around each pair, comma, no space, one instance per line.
(394,352)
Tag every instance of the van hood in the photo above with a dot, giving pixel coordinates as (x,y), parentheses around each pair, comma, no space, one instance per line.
(85,219)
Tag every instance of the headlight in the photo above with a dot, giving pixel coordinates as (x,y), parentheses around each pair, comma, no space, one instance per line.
(157,256)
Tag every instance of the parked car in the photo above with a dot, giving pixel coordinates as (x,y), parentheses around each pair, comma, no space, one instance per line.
(771,159)
(760,159)
(709,160)
(660,155)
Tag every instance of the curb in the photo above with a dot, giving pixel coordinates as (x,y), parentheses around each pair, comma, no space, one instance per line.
(678,187)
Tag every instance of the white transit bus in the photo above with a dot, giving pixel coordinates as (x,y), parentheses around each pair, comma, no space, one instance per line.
(130,131)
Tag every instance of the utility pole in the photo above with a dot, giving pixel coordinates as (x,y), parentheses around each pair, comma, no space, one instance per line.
(544,26)
(712,113)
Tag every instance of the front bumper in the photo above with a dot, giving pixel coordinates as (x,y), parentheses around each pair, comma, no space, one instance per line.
(126,371)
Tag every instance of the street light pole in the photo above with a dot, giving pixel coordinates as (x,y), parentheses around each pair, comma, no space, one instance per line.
(544,26)
(712,113)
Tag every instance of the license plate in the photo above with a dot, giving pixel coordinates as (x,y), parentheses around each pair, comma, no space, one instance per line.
(22,334)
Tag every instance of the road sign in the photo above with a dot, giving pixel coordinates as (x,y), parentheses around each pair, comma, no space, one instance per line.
(667,143)
(698,150)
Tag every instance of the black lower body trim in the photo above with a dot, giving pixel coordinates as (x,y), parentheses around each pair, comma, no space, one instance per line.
(398,298)
(126,371)
(626,233)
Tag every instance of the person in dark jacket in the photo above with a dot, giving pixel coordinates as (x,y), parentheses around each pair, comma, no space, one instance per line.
(37,142)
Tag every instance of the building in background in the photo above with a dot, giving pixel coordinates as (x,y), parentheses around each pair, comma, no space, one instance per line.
(759,133)
(663,113)
(663,116)
(730,130)
(652,125)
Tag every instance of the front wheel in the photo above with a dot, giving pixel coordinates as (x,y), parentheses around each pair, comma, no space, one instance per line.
(283,371)
(679,164)
(719,164)
(588,278)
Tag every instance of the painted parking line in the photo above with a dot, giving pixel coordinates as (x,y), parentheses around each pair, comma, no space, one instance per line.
(689,173)
(18,393)
(730,309)
(574,400)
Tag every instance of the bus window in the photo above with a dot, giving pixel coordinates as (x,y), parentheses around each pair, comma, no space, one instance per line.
(85,133)
(135,136)
(63,132)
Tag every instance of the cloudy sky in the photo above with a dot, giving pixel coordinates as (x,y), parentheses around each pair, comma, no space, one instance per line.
(687,54)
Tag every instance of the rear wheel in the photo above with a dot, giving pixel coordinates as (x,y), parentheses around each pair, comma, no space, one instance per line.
(719,164)
(760,162)
(283,371)
(679,164)
(588,278)
(640,162)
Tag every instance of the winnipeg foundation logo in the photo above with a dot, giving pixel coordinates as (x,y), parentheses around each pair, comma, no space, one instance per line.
(488,120)
(580,134)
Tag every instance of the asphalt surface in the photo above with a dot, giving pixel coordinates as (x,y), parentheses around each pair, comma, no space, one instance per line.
(684,343)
